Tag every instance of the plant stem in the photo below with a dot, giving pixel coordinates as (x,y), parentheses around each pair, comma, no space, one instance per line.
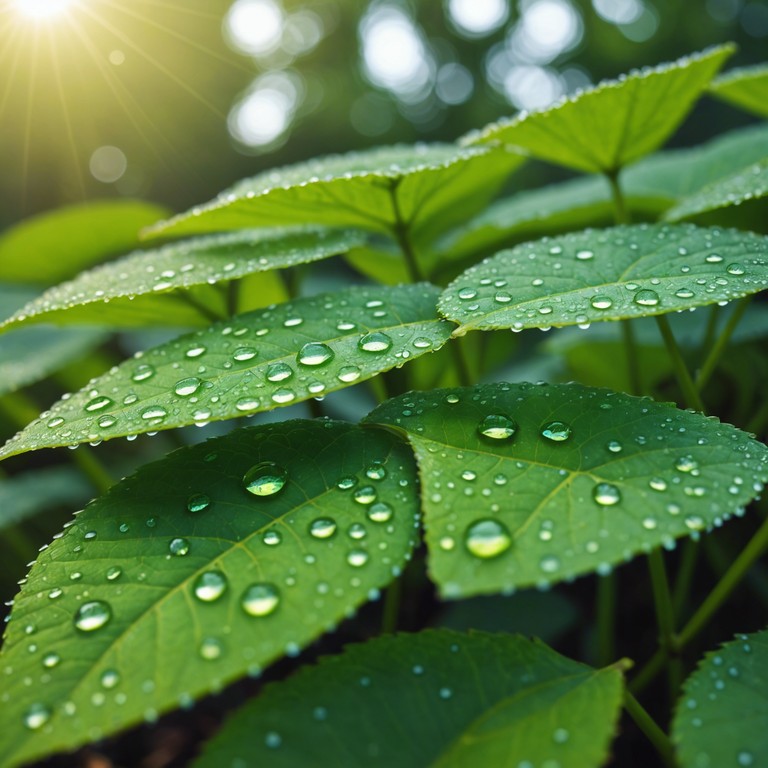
(401,233)
(717,349)
(684,380)
(711,329)
(630,350)
(391,609)
(684,575)
(665,616)
(233,297)
(620,212)
(606,619)
(648,726)
(461,363)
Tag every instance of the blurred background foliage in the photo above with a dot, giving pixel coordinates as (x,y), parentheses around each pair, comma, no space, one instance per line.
(172,101)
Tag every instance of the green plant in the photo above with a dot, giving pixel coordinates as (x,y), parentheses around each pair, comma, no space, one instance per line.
(213,562)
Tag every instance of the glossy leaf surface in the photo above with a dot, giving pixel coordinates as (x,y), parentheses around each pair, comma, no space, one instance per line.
(54,246)
(251,363)
(610,274)
(131,290)
(200,568)
(424,186)
(748,184)
(606,127)
(528,485)
(721,715)
(438,698)
(746,87)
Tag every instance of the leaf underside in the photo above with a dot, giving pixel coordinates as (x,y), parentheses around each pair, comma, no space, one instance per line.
(144,550)
(438,698)
(514,507)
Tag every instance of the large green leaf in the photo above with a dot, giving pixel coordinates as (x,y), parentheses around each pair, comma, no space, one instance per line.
(427,187)
(616,273)
(131,290)
(54,246)
(527,485)
(721,716)
(748,184)
(606,127)
(198,569)
(253,362)
(746,87)
(438,698)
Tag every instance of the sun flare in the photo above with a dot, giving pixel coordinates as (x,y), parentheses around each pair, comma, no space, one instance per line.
(42,9)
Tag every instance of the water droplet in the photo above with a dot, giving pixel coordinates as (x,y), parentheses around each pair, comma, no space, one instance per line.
(601,302)
(98,404)
(210,586)
(380,512)
(194,352)
(211,649)
(684,293)
(357,558)
(646,298)
(243,354)
(92,615)
(260,599)
(143,372)
(376,471)
(584,255)
(549,564)
(357,531)
(658,483)
(465,294)
(198,502)
(502,297)
(345,483)
(606,495)
(615,446)
(265,479)
(154,412)
(686,464)
(348,374)
(279,372)
(375,342)
(497,426)
(745,758)
(556,431)
(114,572)
(109,678)
(322,527)
(179,547)
(272,538)
(107,420)
(560,736)
(735,269)
(487,538)
(713,258)
(273,740)
(422,343)
(187,387)
(51,660)
(283,395)
(36,716)
(365,494)
(315,353)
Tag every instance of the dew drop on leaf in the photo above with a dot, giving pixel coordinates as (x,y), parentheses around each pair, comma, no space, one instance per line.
(615,446)
(143,372)
(557,431)
(365,495)
(279,372)
(98,404)
(497,426)
(487,538)
(187,387)
(179,547)
(375,341)
(686,464)
(322,528)
(646,298)
(272,538)
(211,649)
(283,395)
(345,483)
(109,678)
(260,599)
(601,302)
(314,353)
(92,615)
(198,502)
(348,374)
(154,412)
(357,558)
(210,586)
(380,512)
(606,495)
(735,269)
(51,660)
(36,716)
(243,354)
(265,479)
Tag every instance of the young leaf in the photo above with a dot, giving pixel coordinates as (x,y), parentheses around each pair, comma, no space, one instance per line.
(748,184)
(202,567)
(250,363)
(722,713)
(130,291)
(528,485)
(606,127)
(54,246)
(611,274)
(746,87)
(422,186)
(438,698)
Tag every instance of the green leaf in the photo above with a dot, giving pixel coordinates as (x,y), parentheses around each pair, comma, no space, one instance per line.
(601,129)
(427,187)
(247,364)
(748,184)
(721,716)
(27,495)
(56,245)
(611,274)
(131,290)
(746,87)
(187,580)
(529,485)
(438,698)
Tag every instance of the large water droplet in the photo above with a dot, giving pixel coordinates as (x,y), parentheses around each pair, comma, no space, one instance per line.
(92,615)
(179,547)
(265,479)
(210,586)
(283,395)
(601,302)
(187,387)
(198,502)
(211,649)
(154,412)
(465,294)
(109,678)
(365,494)
(315,353)
(243,354)
(686,464)
(735,269)
(557,431)
(322,527)
(279,372)
(357,558)
(260,599)
(348,374)
(606,495)
(51,660)
(497,426)
(375,341)
(380,512)
(98,404)
(646,298)
(36,716)
(143,372)
(487,538)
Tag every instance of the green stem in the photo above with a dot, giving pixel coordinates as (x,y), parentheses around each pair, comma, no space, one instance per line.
(606,619)
(652,667)
(690,554)
(717,349)
(665,617)
(233,297)
(401,233)
(648,726)
(620,212)
(204,311)
(461,363)
(711,330)
(630,350)
(391,610)
(683,376)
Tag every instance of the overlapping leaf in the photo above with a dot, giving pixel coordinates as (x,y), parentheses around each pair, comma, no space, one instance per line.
(55,246)
(130,291)
(253,362)
(438,698)
(524,484)
(181,579)
(748,184)
(604,128)
(746,87)
(609,274)
(426,187)
(722,713)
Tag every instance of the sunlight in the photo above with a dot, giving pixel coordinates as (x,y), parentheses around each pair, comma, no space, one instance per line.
(42,9)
